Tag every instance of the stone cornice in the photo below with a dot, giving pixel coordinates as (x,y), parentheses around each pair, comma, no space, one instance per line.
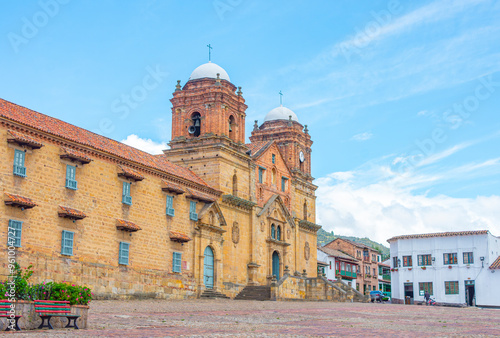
(238,202)
(309,226)
(274,241)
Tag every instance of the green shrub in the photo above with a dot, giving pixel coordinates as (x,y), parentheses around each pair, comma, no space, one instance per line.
(75,294)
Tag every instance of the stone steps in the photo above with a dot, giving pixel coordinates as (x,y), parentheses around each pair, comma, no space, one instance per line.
(212,294)
(254,292)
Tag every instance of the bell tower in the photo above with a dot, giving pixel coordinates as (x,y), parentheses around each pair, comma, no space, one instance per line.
(282,125)
(208,130)
(207,107)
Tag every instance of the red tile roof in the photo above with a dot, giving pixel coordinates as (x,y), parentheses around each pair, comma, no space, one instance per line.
(71,213)
(17,200)
(171,187)
(75,155)
(258,147)
(496,264)
(21,138)
(179,237)
(337,253)
(199,196)
(130,173)
(441,234)
(127,225)
(78,135)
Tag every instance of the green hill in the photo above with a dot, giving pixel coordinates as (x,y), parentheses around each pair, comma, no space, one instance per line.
(326,237)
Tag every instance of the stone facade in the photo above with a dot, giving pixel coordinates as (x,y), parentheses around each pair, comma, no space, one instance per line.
(209,168)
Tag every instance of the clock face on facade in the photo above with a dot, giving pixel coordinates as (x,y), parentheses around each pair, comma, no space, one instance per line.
(301,157)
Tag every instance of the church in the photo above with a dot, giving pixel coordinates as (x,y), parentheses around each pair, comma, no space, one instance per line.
(210,213)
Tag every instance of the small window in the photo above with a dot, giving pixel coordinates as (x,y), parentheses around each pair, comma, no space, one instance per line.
(235,185)
(424,260)
(273,232)
(342,265)
(67,243)
(14,233)
(192,211)
(170,206)
(261,175)
(126,198)
(305,211)
(19,168)
(468,258)
(176,262)
(407,261)
(450,258)
(274,159)
(451,288)
(330,265)
(70,177)
(426,287)
(283,184)
(123,254)
(278,233)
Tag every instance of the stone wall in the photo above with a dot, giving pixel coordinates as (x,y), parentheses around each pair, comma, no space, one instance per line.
(303,288)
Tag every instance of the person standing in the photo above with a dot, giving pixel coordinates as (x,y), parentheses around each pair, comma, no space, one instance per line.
(427,296)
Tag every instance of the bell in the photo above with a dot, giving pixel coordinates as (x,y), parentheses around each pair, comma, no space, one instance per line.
(197,123)
(230,127)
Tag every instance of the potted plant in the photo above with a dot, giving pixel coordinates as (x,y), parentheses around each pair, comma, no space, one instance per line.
(423,268)
(409,269)
(449,266)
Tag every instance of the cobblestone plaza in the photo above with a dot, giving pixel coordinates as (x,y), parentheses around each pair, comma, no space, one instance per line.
(226,318)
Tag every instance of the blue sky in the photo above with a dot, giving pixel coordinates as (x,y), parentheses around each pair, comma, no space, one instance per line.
(401,98)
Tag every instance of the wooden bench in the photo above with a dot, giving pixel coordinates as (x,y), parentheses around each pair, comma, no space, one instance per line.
(47,309)
(5,307)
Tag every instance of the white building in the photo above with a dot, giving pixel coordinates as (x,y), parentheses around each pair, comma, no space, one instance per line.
(455,267)
(339,265)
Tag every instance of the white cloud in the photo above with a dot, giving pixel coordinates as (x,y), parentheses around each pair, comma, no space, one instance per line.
(445,153)
(362,137)
(382,210)
(146,145)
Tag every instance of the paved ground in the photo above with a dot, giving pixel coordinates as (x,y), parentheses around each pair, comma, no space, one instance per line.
(229,318)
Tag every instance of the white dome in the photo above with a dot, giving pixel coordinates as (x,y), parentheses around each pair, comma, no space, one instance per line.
(280,113)
(209,70)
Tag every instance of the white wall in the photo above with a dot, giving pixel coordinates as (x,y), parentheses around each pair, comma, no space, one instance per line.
(330,273)
(481,245)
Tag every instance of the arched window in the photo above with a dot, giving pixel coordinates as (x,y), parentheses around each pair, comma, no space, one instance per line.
(273,231)
(274,176)
(235,185)
(231,127)
(278,233)
(305,210)
(195,127)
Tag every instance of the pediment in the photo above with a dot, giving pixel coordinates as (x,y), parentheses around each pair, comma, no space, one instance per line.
(211,215)
(276,210)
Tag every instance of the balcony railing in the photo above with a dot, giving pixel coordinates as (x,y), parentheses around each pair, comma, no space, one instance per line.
(19,170)
(127,200)
(71,184)
(344,273)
